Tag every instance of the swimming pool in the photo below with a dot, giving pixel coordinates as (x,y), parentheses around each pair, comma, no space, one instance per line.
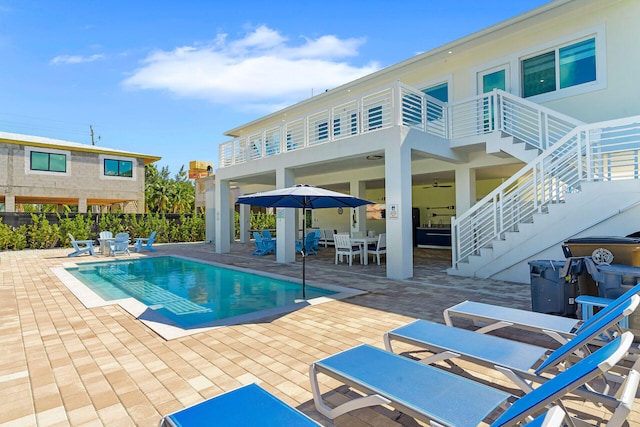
(188,293)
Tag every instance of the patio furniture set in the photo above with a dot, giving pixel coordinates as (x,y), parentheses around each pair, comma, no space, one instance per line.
(111,245)
(345,245)
(597,362)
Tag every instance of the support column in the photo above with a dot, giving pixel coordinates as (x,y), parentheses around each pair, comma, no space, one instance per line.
(10,203)
(223,217)
(358,215)
(245,223)
(399,226)
(82,205)
(286,225)
(210,219)
(465,189)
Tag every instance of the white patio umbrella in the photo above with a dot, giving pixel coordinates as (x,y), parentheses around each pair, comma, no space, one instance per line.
(302,196)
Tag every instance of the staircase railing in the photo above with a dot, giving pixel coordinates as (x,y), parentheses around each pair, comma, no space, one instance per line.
(498,110)
(604,151)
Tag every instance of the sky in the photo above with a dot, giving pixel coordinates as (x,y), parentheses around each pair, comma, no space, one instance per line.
(169,77)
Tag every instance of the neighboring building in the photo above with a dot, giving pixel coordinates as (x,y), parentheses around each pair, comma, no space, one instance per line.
(37,170)
(205,180)
(525,131)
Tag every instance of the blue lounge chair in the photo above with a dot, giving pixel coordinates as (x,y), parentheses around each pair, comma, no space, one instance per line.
(522,363)
(249,405)
(81,246)
(310,241)
(120,245)
(434,395)
(553,418)
(145,243)
(495,317)
(262,247)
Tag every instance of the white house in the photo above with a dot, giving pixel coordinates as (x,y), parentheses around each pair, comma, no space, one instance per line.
(514,138)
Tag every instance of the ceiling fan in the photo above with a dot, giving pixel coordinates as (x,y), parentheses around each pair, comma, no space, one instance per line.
(436,185)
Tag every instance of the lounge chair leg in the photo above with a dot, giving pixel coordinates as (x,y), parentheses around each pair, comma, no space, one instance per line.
(332,413)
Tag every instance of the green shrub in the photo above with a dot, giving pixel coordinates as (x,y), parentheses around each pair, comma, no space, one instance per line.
(79,227)
(41,234)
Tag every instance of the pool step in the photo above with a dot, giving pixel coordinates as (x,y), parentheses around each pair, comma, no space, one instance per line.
(153,295)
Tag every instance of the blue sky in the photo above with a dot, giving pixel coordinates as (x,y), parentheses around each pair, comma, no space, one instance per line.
(168,78)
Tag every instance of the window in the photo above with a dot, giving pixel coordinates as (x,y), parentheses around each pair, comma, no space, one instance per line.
(578,63)
(50,162)
(561,68)
(122,168)
(495,80)
(440,92)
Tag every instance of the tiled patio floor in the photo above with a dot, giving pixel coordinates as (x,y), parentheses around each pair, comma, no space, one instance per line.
(63,364)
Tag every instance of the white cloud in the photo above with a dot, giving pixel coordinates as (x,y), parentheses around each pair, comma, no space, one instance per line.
(261,70)
(75,59)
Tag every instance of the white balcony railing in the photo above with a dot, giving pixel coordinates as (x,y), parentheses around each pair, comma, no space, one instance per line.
(355,116)
(599,152)
(399,104)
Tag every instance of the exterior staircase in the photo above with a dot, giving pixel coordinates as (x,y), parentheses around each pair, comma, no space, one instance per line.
(600,208)
(586,184)
(502,145)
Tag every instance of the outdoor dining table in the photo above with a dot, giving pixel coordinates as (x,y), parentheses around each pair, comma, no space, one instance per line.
(364,242)
(105,249)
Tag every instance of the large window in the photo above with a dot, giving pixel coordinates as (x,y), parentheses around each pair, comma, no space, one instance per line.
(440,92)
(560,68)
(50,162)
(122,168)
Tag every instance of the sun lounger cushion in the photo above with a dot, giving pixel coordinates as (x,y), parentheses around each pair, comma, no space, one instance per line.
(247,406)
(414,388)
(523,319)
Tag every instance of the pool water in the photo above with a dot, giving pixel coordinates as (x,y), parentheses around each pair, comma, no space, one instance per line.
(190,293)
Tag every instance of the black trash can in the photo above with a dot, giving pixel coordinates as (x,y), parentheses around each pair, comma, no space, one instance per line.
(551,293)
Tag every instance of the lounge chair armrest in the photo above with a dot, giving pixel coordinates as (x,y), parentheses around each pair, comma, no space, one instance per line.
(593,300)
(351,405)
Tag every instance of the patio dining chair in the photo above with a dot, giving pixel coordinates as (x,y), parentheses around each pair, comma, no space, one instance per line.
(379,248)
(344,247)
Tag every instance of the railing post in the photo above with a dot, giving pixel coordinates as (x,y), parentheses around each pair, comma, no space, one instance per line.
(454,243)
(541,137)
(495,215)
(397,109)
(497,110)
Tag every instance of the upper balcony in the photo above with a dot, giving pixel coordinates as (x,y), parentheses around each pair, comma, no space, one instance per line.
(400,105)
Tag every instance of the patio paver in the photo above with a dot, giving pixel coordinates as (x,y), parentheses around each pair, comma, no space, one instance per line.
(63,364)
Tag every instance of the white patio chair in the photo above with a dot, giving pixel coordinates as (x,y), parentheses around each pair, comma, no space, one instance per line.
(344,247)
(380,248)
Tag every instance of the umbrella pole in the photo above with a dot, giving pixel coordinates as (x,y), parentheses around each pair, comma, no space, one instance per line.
(304,256)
